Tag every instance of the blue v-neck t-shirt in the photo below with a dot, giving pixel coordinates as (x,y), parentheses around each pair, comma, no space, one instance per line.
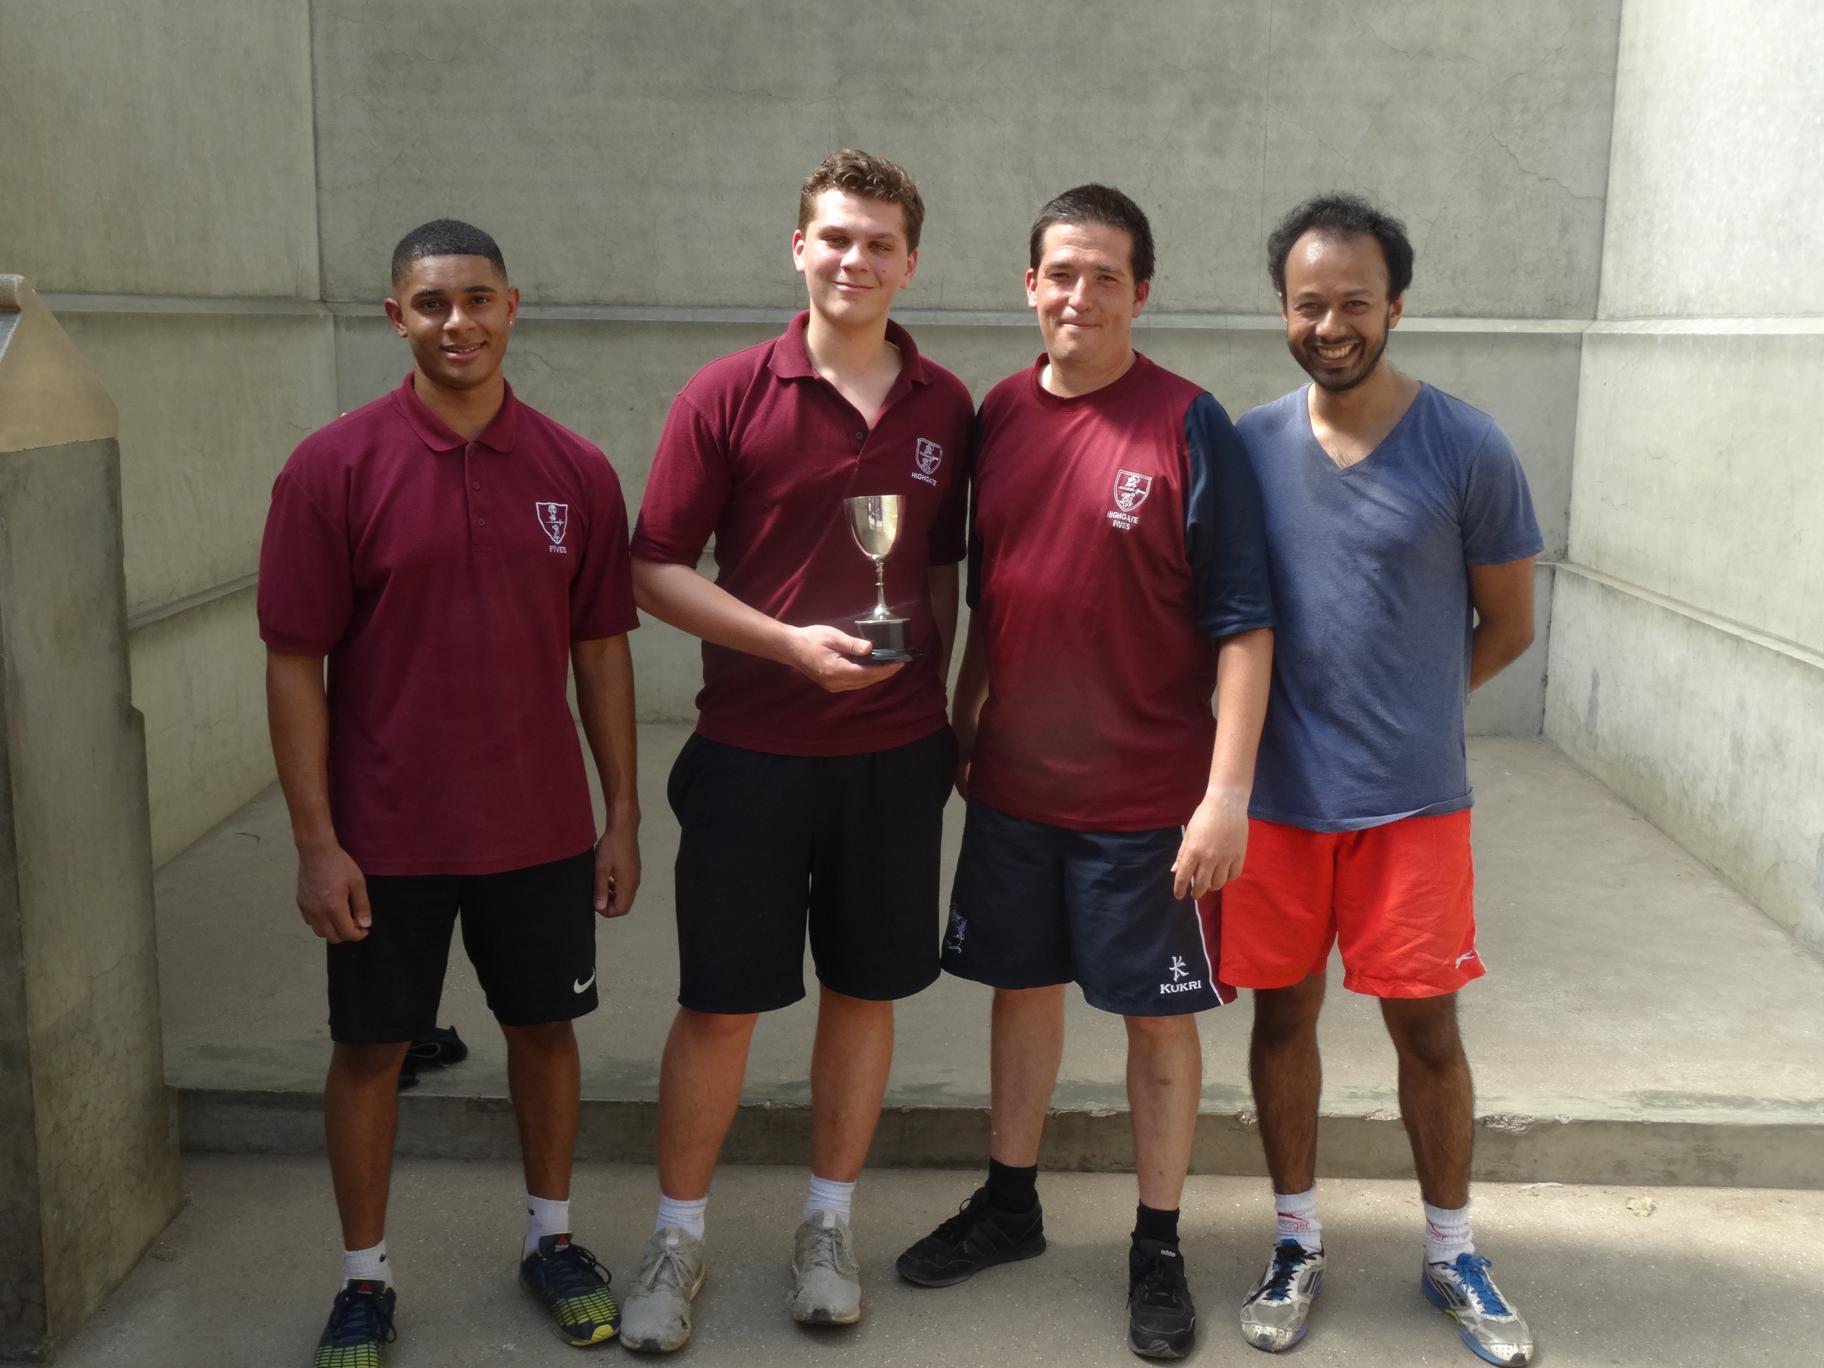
(1370,574)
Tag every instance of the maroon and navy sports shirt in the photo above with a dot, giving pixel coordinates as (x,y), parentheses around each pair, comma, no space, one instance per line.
(1116,538)
(760,451)
(446,580)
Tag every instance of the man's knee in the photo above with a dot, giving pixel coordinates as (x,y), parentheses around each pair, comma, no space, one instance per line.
(717,1028)
(1154,1032)
(549,1037)
(1282,1014)
(368,1064)
(1424,1030)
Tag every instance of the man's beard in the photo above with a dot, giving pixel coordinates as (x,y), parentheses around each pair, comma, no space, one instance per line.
(1338,382)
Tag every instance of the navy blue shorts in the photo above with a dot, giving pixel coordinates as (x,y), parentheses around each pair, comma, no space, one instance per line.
(1034,905)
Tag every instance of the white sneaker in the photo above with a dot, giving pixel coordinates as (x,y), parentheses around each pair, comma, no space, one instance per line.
(655,1312)
(826,1279)
(1274,1317)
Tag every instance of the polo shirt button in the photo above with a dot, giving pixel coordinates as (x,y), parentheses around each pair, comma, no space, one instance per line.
(861,436)
(481,522)
(475,485)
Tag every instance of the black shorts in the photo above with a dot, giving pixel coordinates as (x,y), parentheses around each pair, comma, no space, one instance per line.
(846,843)
(1033,905)
(530,933)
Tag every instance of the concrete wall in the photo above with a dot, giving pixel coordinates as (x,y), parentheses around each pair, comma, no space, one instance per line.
(1687,654)
(160,190)
(208,191)
(90,1153)
(644,192)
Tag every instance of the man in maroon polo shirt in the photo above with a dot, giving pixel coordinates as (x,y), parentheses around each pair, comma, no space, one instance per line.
(813,789)
(1118,579)
(453,554)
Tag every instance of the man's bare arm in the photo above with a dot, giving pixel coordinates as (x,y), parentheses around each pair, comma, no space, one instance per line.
(679,595)
(1216,838)
(332,894)
(1503,599)
(604,698)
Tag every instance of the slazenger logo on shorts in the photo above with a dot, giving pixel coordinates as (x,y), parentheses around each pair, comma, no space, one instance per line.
(929,456)
(1181,982)
(555,519)
(1131,489)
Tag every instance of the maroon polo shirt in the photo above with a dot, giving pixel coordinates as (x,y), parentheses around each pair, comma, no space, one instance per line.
(761,451)
(445,580)
(1117,538)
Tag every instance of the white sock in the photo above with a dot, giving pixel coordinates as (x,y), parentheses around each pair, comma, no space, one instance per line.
(1296,1213)
(686,1215)
(827,1195)
(366,1265)
(545,1216)
(1447,1233)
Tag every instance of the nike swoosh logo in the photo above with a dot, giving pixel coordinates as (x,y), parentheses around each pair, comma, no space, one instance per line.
(582,985)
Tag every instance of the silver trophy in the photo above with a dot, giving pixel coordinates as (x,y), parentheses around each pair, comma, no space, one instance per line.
(874,519)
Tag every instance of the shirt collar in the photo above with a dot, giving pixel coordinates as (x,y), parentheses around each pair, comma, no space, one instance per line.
(440,436)
(792,361)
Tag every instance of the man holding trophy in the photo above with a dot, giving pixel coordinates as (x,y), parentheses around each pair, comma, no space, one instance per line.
(1117,579)
(811,794)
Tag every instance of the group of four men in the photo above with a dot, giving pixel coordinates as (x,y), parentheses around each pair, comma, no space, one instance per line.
(1338,570)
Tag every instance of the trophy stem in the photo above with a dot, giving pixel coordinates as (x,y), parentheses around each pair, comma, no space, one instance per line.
(880,589)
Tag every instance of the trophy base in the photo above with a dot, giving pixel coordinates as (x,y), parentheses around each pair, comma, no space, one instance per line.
(889,638)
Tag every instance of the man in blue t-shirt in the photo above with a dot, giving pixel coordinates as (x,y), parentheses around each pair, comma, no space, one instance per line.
(1401,540)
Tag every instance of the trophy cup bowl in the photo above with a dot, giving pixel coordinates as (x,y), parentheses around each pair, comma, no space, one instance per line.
(874,521)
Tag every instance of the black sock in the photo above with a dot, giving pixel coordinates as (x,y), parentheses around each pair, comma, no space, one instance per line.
(1013,1189)
(1152,1224)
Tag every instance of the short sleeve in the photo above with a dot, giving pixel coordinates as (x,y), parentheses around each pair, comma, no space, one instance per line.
(1225,537)
(601,595)
(1498,521)
(686,488)
(306,593)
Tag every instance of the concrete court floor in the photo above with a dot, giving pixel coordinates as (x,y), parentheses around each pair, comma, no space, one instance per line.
(243,1277)
(1626,981)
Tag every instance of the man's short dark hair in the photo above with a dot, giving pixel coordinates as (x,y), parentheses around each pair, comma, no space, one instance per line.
(445,237)
(1345,216)
(855,172)
(1098,204)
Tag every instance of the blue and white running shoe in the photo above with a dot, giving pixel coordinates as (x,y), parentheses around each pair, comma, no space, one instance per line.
(1490,1326)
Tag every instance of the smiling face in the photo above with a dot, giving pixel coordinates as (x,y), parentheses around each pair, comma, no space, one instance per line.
(1085,295)
(854,259)
(1336,308)
(454,311)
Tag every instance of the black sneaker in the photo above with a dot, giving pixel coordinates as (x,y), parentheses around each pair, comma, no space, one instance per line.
(1161,1318)
(978,1236)
(574,1288)
(360,1322)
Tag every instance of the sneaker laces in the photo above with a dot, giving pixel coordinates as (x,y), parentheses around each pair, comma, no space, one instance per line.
(666,1266)
(825,1247)
(1160,1279)
(1288,1262)
(952,1230)
(1472,1272)
(360,1317)
(573,1271)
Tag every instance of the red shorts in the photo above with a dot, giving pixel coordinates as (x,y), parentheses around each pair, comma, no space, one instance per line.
(1398,899)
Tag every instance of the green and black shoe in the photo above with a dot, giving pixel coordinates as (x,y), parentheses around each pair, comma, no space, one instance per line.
(574,1288)
(360,1322)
